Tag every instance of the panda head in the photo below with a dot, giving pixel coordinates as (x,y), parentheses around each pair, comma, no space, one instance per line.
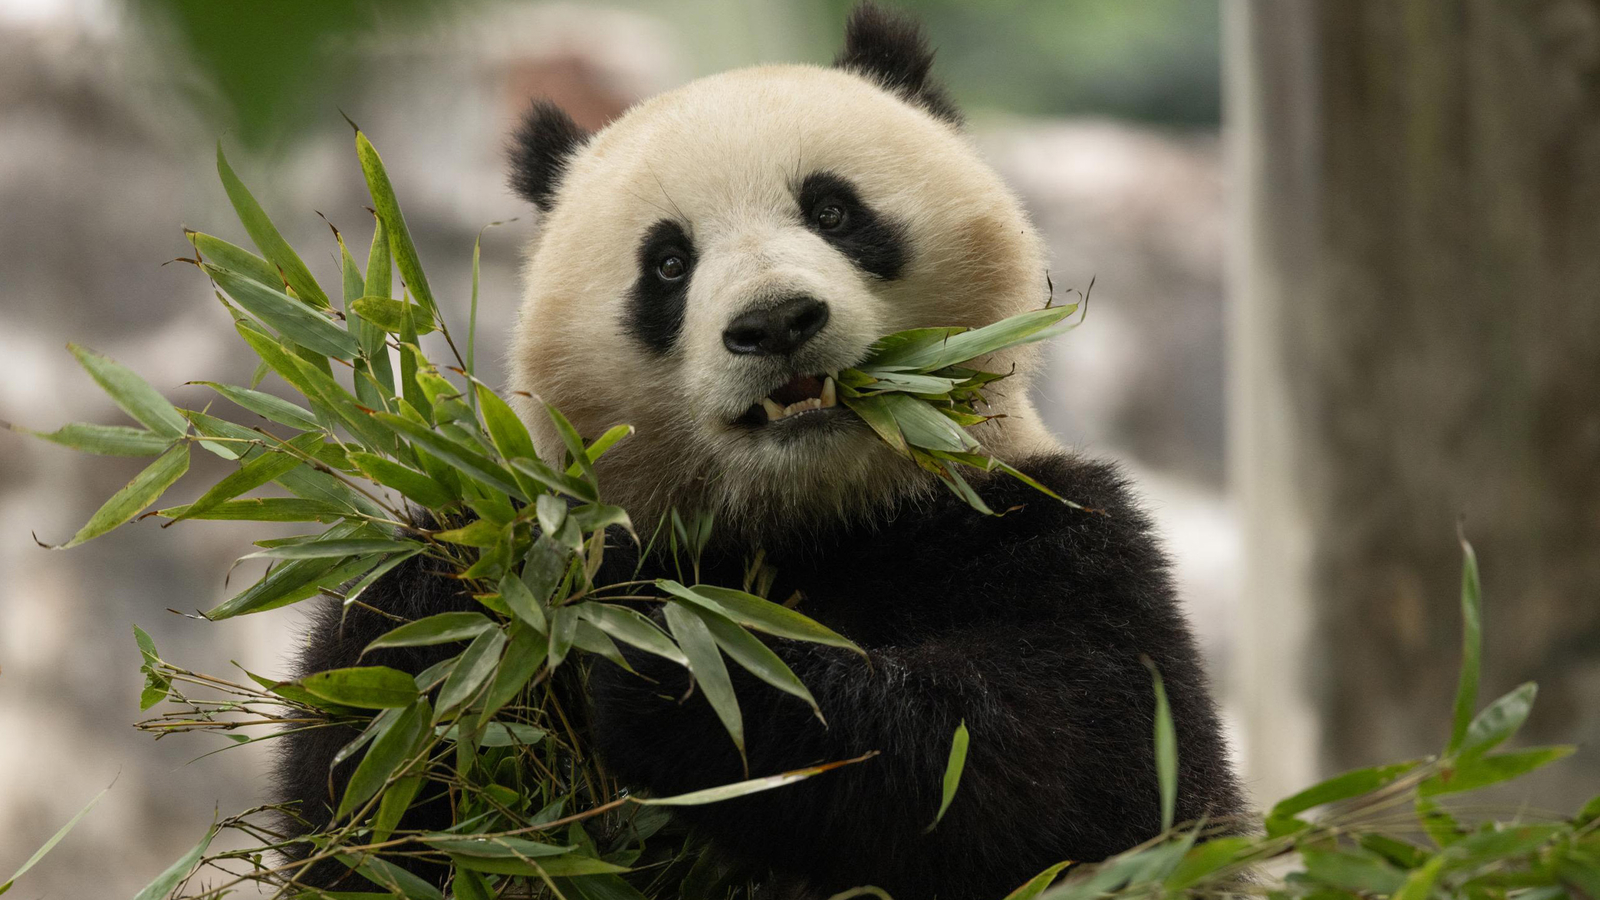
(707,261)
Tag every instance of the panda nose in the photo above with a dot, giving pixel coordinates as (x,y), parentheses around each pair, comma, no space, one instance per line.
(776,330)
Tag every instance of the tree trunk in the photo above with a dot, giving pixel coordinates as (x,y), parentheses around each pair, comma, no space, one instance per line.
(1416,341)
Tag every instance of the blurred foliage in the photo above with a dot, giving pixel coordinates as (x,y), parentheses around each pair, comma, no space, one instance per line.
(263,70)
(269,71)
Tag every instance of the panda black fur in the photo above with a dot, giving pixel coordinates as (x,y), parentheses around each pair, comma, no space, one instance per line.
(1029,627)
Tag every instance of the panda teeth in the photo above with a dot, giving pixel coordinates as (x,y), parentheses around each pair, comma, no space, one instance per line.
(828,399)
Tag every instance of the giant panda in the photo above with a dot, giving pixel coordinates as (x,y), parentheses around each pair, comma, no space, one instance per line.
(704,264)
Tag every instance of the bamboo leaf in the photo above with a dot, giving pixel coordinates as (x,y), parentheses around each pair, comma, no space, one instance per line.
(475,465)
(634,629)
(749,786)
(390,314)
(754,612)
(294,320)
(232,256)
(52,842)
(262,509)
(443,628)
(391,747)
(364,687)
(1499,720)
(1166,749)
(167,881)
(266,405)
(522,603)
(335,549)
(1473,772)
(132,394)
(952,772)
(104,440)
(755,657)
(1471,646)
(705,663)
(477,663)
(265,468)
(145,489)
(266,236)
(601,444)
(415,486)
(394,222)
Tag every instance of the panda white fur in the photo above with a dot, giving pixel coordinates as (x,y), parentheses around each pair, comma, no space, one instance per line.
(705,261)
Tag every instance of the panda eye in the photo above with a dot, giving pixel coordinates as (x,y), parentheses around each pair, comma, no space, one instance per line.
(672,268)
(830,217)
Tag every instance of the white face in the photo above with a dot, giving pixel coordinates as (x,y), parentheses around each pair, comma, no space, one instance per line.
(716,254)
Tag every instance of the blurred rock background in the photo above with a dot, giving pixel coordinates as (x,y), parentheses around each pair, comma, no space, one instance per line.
(1103,115)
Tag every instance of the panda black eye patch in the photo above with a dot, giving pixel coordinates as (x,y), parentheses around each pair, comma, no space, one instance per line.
(831,207)
(655,304)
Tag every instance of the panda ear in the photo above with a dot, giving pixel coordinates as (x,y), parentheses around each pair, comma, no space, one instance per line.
(890,49)
(540,149)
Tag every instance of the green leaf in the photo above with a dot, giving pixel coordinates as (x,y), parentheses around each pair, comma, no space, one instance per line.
(415,486)
(526,652)
(705,663)
(505,427)
(556,866)
(378,571)
(1499,720)
(952,772)
(265,468)
(1471,646)
(1341,787)
(55,838)
(1036,885)
(365,687)
(1025,328)
(132,394)
(522,603)
(392,747)
(390,314)
(494,847)
(601,444)
(168,880)
(444,628)
(749,786)
(262,509)
(1205,860)
(145,489)
(754,612)
(294,320)
(755,657)
(574,444)
(924,426)
(232,256)
(1166,749)
(394,222)
(398,881)
(477,663)
(266,236)
(1352,871)
(104,440)
(335,549)
(1473,772)
(875,412)
(317,386)
(556,481)
(266,405)
(475,465)
(635,629)
(396,800)
(291,583)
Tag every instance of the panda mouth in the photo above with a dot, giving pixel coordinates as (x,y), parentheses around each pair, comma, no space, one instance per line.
(799,396)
